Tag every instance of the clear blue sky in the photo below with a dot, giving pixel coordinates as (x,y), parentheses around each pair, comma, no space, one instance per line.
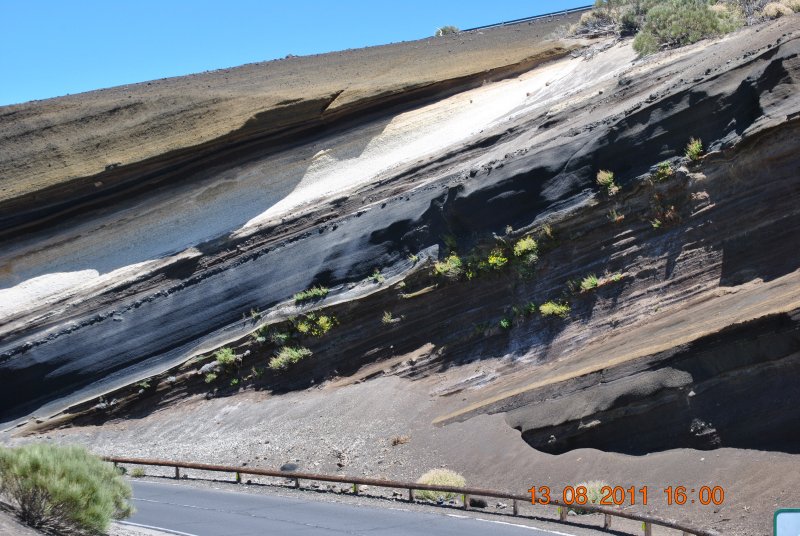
(55,47)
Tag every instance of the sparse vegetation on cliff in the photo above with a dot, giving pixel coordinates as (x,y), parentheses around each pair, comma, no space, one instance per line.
(590,282)
(663,172)
(605,179)
(313,293)
(552,308)
(694,149)
(289,355)
(226,357)
(451,267)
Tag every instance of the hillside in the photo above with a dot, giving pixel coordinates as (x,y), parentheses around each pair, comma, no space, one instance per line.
(446,201)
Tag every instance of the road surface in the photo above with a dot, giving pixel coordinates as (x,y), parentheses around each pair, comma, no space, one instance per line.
(199,511)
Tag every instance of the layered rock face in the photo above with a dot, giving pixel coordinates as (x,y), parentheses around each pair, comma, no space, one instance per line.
(687,346)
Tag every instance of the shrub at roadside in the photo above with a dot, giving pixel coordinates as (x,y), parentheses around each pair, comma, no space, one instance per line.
(439,477)
(593,494)
(446,30)
(63,489)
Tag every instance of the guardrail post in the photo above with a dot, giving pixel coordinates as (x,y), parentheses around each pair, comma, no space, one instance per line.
(297,483)
(355,489)
(562,513)
(516,507)
(410,495)
(648,529)
(177,472)
(466,502)
(238,477)
(606,521)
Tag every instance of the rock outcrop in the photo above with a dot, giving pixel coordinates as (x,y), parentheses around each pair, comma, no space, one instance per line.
(689,337)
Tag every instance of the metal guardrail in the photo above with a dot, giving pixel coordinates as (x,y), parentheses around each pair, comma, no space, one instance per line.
(647,521)
(527,19)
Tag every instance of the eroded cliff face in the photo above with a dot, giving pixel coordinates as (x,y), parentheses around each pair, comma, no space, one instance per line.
(687,344)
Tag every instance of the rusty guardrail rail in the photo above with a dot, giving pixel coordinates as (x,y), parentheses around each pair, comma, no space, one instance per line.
(466,493)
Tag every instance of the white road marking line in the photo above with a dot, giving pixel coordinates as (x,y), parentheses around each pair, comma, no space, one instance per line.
(550,531)
(162,529)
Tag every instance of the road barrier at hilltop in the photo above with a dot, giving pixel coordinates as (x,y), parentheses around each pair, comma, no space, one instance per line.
(647,521)
(528,19)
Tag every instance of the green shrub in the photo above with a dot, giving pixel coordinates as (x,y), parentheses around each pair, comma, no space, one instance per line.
(530,308)
(663,172)
(313,293)
(279,338)
(226,357)
(675,23)
(505,323)
(446,30)
(525,246)
(210,377)
(694,149)
(324,324)
(615,217)
(451,267)
(605,179)
(590,282)
(615,278)
(413,258)
(376,276)
(387,318)
(310,324)
(439,477)
(63,488)
(645,43)
(137,472)
(552,308)
(497,259)
(289,355)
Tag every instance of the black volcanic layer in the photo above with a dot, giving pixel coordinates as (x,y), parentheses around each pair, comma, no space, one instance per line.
(161,320)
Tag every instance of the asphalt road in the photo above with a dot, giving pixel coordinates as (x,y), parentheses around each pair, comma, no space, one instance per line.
(208,512)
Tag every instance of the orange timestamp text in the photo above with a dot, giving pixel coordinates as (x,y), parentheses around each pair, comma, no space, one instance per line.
(619,495)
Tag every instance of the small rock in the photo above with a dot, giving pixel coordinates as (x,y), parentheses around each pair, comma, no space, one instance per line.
(478,503)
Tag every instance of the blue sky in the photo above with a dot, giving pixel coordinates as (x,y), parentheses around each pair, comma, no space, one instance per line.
(57,47)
